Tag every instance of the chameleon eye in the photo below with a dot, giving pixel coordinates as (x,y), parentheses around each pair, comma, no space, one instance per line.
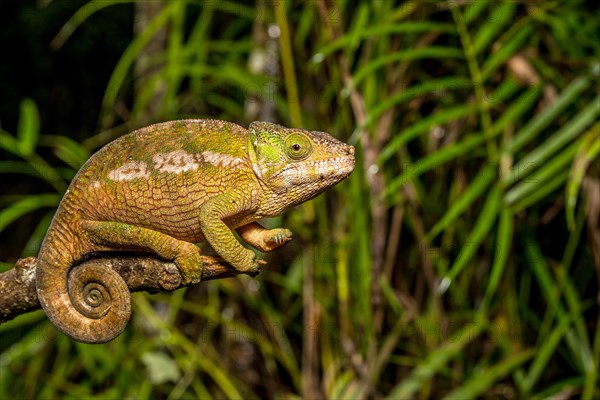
(297,146)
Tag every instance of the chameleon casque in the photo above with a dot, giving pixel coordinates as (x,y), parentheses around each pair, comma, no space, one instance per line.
(161,189)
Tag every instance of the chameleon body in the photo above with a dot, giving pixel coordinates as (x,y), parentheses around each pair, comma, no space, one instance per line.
(165,187)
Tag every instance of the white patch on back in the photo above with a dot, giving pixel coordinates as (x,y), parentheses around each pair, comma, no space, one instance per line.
(129,171)
(175,162)
(221,160)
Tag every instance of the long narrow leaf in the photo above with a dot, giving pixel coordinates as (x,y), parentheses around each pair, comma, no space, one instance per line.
(9,143)
(434,87)
(435,160)
(434,52)
(538,180)
(535,259)
(517,108)
(502,14)
(126,61)
(485,378)
(542,120)
(83,13)
(505,51)
(502,252)
(423,126)
(472,193)
(567,133)
(588,151)
(67,149)
(437,359)
(541,193)
(385,29)
(486,219)
(25,206)
(29,127)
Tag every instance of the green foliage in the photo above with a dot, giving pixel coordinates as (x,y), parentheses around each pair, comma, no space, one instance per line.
(477,135)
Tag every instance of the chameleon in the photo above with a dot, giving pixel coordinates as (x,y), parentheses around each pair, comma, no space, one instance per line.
(163,189)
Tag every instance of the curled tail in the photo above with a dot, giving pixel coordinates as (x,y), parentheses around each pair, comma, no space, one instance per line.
(89,303)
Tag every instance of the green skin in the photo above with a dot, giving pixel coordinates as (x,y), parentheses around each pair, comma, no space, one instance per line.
(165,187)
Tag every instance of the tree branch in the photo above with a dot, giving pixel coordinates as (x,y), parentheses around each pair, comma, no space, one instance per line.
(140,272)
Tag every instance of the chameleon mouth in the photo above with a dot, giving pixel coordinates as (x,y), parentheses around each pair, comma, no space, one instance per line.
(332,169)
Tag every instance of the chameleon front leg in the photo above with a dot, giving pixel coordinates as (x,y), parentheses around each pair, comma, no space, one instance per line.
(264,239)
(213,213)
(124,236)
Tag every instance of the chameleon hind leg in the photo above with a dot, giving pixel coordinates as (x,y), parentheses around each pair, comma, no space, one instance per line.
(119,235)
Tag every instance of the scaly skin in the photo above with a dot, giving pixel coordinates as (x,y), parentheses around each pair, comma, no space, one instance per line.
(165,187)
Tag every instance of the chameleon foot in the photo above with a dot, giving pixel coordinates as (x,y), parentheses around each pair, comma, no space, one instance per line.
(189,262)
(264,239)
(279,237)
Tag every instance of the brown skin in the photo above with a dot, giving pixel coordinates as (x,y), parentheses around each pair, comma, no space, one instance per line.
(165,187)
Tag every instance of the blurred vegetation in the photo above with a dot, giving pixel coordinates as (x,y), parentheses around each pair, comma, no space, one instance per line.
(460,260)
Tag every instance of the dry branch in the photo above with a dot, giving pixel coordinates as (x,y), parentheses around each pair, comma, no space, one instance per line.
(141,273)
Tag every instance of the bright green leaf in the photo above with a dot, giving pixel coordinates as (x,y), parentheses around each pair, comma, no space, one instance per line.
(25,206)
(29,127)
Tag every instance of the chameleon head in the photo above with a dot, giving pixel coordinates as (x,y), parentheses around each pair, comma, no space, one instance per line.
(297,164)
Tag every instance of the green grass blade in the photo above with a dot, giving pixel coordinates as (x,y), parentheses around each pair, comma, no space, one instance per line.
(360,22)
(517,108)
(424,125)
(566,134)
(503,246)
(486,219)
(433,86)
(582,347)
(67,149)
(474,9)
(50,174)
(36,166)
(591,379)
(32,247)
(205,362)
(486,378)
(435,160)
(543,119)
(538,180)
(588,151)
(563,388)
(286,57)
(381,30)
(551,289)
(9,143)
(434,52)
(29,127)
(18,167)
(83,13)
(507,50)
(434,362)
(503,92)
(127,59)
(541,193)
(546,350)
(501,15)
(478,90)
(25,206)
(174,50)
(472,193)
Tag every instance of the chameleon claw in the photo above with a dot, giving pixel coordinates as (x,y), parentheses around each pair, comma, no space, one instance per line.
(256,270)
(281,237)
